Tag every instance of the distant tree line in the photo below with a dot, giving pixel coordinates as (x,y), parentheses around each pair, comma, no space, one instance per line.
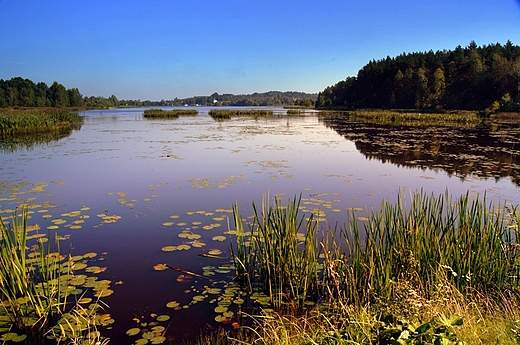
(19,92)
(270,98)
(470,78)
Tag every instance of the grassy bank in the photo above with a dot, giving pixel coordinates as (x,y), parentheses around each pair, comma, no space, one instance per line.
(160,113)
(222,114)
(425,270)
(28,121)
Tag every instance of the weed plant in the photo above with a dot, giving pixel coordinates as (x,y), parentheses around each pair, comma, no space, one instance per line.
(424,270)
(223,114)
(13,123)
(34,291)
(279,253)
(174,113)
(427,118)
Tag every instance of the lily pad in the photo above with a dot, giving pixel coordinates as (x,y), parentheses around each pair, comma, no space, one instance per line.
(163,317)
(219,238)
(172,304)
(133,331)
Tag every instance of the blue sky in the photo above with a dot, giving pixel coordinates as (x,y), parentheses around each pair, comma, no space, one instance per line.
(157,49)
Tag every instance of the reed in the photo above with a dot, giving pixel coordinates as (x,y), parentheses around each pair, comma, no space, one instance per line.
(222,114)
(279,254)
(295,112)
(14,123)
(459,117)
(34,287)
(469,242)
(174,113)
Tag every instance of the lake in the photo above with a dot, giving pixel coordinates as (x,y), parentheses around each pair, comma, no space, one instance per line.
(135,193)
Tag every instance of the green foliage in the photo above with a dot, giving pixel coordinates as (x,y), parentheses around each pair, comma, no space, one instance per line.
(220,114)
(271,256)
(160,113)
(470,78)
(16,122)
(34,290)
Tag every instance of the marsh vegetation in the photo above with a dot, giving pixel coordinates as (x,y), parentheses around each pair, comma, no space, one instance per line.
(17,122)
(174,113)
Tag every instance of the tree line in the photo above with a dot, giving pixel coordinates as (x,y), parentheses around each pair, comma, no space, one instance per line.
(470,78)
(19,92)
(270,98)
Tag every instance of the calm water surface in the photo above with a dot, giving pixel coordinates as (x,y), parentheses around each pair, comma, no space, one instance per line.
(191,170)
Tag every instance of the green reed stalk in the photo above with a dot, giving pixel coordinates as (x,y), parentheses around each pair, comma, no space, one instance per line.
(278,256)
(174,113)
(467,241)
(228,113)
(36,121)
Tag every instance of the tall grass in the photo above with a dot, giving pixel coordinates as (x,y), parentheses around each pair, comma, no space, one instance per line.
(460,117)
(174,113)
(34,284)
(426,269)
(280,252)
(220,114)
(14,123)
(422,239)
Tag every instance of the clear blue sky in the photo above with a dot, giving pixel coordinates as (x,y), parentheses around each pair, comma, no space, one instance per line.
(161,49)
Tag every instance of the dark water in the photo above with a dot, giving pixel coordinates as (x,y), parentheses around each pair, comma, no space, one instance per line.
(191,170)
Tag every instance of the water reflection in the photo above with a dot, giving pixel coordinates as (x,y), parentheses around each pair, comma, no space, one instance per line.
(489,150)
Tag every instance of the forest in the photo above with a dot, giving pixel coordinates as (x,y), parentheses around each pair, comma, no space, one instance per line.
(19,92)
(483,78)
(270,98)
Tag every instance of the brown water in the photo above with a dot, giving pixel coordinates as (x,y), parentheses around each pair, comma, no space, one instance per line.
(191,170)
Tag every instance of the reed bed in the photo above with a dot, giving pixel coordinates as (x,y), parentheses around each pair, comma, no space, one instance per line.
(426,269)
(174,113)
(461,117)
(279,253)
(295,112)
(14,123)
(35,289)
(223,114)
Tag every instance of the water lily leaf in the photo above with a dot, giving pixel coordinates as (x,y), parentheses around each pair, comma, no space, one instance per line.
(133,331)
(158,339)
(220,309)
(172,304)
(104,293)
(199,298)
(198,244)
(228,314)
(141,341)
(175,216)
(219,238)
(215,252)
(160,267)
(158,329)
(52,227)
(183,247)
(238,301)
(168,223)
(162,318)
(90,255)
(220,318)
(85,300)
(169,248)
(182,224)
(79,266)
